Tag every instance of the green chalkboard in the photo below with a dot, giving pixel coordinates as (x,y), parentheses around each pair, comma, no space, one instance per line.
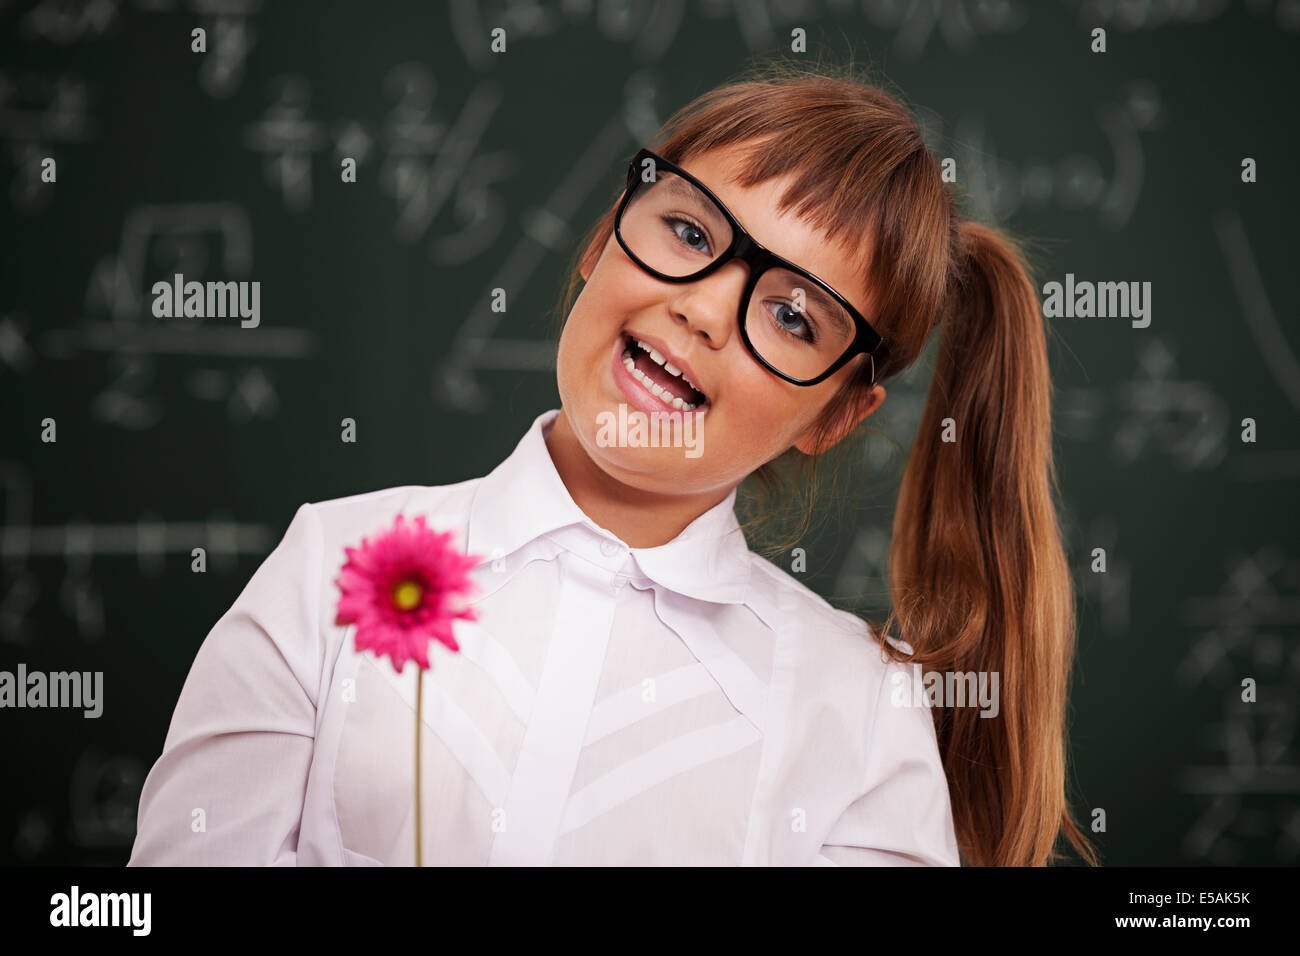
(478,171)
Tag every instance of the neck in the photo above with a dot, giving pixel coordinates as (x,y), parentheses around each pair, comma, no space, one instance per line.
(643,519)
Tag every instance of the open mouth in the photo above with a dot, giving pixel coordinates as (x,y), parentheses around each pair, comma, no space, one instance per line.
(660,377)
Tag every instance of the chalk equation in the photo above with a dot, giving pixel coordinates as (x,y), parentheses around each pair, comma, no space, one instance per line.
(78,542)
(235,364)
(1154,412)
(1249,777)
(649,28)
(429,162)
(40,115)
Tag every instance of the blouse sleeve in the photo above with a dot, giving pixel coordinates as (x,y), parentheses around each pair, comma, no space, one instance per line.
(903,816)
(229,786)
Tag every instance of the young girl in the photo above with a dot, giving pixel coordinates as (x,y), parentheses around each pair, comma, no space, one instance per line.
(640,687)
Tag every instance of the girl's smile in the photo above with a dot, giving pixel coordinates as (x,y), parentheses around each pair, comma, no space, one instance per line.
(652,385)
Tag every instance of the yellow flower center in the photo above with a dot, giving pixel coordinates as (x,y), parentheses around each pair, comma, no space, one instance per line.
(407,595)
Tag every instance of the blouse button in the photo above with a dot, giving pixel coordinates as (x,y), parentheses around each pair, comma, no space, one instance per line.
(609,548)
(617,581)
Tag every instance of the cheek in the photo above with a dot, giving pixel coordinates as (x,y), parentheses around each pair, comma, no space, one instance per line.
(563,352)
(618,289)
(575,361)
(582,331)
(598,311)
(770,412)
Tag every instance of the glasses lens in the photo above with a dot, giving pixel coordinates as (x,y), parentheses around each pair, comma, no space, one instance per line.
(795,325)
(672,227)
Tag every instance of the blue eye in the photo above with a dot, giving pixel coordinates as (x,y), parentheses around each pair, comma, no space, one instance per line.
(690,235)
(788,323)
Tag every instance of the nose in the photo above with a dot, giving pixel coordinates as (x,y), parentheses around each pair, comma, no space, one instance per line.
(709,306)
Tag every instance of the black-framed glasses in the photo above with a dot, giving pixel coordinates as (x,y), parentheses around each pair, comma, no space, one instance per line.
(793,323)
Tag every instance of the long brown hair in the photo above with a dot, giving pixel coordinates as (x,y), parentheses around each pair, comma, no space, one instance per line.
(979,579)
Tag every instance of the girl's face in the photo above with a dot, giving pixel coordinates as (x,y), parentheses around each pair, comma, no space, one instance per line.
(751,416)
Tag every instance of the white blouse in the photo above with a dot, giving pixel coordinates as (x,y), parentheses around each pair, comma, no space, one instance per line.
(685,704)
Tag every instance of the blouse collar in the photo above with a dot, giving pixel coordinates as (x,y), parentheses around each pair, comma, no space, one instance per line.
(524,498)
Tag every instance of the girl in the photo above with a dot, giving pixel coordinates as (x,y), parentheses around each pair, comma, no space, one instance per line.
(640,687)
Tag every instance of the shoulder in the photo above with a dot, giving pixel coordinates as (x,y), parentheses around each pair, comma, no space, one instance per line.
(421,497)
(842,717)
(310,552)
(348,519)
(823,628)
(834,659)
(312,545)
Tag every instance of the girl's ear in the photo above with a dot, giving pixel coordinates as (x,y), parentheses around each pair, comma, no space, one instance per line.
(847,422)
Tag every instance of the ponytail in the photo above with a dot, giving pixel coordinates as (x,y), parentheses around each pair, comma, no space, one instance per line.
(978,574)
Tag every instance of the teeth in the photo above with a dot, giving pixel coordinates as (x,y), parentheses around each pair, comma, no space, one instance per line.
(661,360)
(653,387)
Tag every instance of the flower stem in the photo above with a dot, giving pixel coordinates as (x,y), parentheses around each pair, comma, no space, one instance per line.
(419,691)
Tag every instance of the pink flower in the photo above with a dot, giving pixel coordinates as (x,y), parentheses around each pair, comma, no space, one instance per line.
(404,586)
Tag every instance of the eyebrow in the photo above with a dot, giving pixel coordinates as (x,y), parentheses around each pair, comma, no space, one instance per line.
(833,310)
(676,185)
